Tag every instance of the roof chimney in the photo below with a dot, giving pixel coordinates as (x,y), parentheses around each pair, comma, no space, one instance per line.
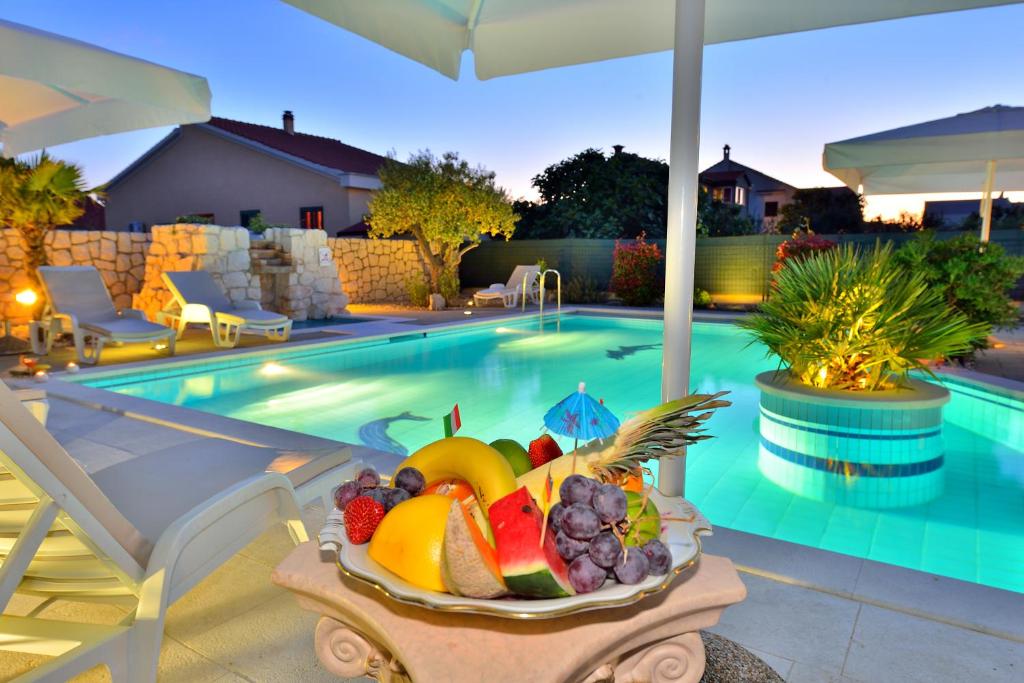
(617,148)
(288,122)
(725,152)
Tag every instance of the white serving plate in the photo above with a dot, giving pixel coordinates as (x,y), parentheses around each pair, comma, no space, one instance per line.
(682,538)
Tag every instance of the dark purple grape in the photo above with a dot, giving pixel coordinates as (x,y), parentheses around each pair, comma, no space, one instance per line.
(610,503)
(379,495)
(394,497)
(632,567)
(368,478)
(605,550)
(410,479)
(659,557)
(580,522)
(585,576)
(577,489)
(568,547)
(345,493)
(555,516)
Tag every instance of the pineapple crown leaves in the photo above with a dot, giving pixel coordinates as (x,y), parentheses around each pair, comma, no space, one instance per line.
(663,430)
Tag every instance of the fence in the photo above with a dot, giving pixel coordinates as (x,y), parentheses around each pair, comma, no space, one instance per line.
(731,269)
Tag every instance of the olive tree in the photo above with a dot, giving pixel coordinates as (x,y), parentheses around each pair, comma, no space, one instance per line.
(446,205)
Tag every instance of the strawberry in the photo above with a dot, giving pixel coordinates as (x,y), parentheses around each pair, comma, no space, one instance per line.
(543,450)
(362,515)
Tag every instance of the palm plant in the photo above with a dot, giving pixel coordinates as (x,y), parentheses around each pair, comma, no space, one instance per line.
(36,196)
(852,319)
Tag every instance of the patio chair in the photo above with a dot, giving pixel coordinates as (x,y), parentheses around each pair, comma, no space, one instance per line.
(140,532)
(510,292)
(77,301)
(198,299)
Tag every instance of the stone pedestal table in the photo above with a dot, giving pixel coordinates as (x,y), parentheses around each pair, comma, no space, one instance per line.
(363,632)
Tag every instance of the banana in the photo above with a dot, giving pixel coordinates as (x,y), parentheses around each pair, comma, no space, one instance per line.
(461,457)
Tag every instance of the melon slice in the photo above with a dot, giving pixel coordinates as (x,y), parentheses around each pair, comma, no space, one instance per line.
(529,569)
(469,565)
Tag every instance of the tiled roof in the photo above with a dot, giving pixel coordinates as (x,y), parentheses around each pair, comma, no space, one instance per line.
(319,150)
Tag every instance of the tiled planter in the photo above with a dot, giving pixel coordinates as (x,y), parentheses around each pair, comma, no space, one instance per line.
(878,449)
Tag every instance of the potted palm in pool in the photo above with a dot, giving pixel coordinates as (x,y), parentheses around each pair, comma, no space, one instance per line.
(843,420)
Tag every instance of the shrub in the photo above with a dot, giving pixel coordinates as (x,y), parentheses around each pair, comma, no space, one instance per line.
(799,246)
(449,285)
(582,289)
(258,226)
(635,272)
(847,319)
(977,282)
(701,298)
(194,218)
(418,288)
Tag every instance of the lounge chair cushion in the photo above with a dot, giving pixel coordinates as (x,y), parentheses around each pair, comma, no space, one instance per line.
(78,291)
(197,287)
(126,328)
(155,489)
(255,315)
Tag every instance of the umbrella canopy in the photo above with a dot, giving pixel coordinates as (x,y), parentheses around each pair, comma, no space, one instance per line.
(580,417)
(517,36)
(55,90)
(980,150)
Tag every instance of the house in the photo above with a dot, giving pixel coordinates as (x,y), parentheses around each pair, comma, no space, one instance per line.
(760,196)
(228,171)
(952,213)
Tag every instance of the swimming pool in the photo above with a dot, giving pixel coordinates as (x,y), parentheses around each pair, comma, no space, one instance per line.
(391,393)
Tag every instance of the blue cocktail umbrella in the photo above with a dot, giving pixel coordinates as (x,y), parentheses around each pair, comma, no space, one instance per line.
(581,417)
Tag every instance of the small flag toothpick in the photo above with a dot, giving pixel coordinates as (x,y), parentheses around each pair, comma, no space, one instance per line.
(549,484)
(452,422)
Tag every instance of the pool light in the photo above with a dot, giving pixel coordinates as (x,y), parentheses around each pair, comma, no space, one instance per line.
(273,369)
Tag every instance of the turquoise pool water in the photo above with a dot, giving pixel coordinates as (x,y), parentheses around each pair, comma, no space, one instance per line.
(391,395)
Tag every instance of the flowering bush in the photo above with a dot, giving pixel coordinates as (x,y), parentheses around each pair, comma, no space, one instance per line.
(635,272)
(802,244)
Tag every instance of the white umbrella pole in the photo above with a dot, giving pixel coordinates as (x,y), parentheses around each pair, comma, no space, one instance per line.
(986,200)
(681,236)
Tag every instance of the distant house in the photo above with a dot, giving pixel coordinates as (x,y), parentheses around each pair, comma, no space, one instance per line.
(953,212)
(229,171)
(760,196)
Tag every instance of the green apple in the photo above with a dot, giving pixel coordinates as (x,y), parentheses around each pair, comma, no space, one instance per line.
(643,526)
(515,454)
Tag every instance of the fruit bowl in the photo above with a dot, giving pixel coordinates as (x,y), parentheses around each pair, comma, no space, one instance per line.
(682,525)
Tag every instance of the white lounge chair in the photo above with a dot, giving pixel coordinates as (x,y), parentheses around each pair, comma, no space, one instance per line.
(510,292)
(198,299)
(139,532)
(78,301)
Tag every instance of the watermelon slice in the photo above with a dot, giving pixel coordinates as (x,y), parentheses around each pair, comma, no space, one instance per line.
(528,568)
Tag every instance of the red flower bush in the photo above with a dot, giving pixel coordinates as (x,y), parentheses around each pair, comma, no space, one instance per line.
(635,277)
(801,245)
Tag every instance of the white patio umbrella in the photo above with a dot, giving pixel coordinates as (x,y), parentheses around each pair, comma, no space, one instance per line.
(55,90)
(980,150)
(517,36)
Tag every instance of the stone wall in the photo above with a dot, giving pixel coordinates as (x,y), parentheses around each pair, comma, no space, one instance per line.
(374,271)
(313,289)
(119,256)
(224,252)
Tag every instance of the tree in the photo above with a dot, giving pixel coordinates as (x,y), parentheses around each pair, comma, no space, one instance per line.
(36,196)
(446,205)
(591,195)
(824,210)
(717,219)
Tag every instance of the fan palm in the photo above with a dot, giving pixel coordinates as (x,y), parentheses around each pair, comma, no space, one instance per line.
(36,196)
(853,319)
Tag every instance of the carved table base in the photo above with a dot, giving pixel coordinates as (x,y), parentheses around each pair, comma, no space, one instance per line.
(364,633)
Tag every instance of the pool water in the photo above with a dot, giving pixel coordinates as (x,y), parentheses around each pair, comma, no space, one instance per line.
(391,395)
(329,322)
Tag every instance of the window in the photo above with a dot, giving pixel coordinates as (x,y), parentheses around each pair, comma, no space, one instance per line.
(771,209)
(739,195)
(311,217)
(727,195)
(716,194)
(244,217)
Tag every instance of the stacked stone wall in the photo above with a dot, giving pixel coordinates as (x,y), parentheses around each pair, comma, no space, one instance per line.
(119,256)
(224,252)
(376,271)
(313,290)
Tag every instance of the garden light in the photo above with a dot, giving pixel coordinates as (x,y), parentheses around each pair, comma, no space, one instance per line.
(72,367)
(26,297)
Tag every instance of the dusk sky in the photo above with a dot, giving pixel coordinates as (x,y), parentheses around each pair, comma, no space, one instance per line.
(776,101)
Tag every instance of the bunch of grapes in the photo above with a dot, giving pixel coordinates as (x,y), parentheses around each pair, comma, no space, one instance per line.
(589,524)
(408,482)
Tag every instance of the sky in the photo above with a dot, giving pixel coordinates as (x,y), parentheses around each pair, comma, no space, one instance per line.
(775,100)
